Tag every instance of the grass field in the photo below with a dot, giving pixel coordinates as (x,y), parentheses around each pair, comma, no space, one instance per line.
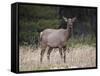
(78,57)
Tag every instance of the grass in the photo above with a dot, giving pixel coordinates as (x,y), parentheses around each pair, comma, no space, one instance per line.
(82,54)
(80,41)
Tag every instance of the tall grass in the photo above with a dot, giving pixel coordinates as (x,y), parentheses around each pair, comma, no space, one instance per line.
(79,41)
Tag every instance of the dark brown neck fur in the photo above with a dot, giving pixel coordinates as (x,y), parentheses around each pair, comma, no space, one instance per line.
(68,32)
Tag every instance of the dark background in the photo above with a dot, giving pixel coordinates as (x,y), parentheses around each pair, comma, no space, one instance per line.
(35,18)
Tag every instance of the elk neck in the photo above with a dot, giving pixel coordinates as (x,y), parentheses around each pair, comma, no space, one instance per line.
(68,32)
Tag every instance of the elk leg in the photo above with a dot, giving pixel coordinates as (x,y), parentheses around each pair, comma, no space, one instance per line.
(64,51)
(42,53)
(48,53)
(68,50)
(60,51)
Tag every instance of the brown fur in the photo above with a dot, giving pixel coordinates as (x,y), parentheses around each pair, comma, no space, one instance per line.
(56,38)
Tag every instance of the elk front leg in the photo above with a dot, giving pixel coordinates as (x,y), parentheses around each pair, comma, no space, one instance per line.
(60,51)
(64,51)
(48,53)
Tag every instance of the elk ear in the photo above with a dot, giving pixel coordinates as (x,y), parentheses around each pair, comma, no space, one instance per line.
(73,19)
(65,19)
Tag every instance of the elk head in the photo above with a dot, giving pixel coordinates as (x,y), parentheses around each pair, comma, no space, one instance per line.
(69,21)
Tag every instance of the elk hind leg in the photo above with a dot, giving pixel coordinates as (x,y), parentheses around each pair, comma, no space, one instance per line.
(42,53)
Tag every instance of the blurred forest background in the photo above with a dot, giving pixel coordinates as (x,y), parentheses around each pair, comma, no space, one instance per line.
(35,18)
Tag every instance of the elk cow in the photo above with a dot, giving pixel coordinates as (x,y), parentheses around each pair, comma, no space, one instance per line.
(56,38)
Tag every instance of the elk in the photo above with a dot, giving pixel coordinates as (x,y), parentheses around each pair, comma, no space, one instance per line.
(56,38)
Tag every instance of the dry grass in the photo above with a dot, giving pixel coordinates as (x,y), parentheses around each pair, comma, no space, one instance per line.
(78,57)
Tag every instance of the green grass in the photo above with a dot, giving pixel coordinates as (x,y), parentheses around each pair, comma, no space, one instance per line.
(80,41)
(76,42)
